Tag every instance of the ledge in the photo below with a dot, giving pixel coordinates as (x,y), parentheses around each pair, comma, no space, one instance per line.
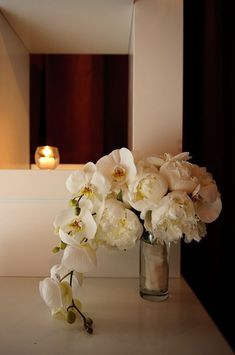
(124,323)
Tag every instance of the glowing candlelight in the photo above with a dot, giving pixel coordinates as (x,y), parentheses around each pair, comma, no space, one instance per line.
(46,163)
(47,157)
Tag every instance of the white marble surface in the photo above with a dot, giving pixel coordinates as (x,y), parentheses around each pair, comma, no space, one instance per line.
(123,322)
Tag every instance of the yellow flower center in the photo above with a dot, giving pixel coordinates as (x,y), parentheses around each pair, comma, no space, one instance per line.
(144,188)
(77,226)
(119,173)
(87,191)
(122,222)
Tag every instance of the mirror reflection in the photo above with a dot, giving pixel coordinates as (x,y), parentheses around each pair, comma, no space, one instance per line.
(78,103)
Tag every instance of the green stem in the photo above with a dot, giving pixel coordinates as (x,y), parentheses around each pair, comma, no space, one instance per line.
(87,322)
(71,278)
(69,273)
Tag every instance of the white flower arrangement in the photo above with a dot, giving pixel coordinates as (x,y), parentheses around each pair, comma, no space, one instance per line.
(113,202)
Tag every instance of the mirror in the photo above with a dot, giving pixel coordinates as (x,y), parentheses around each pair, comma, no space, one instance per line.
(84,26)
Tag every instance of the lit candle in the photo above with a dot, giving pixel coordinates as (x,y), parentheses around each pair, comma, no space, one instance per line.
(46,163)
(47,157)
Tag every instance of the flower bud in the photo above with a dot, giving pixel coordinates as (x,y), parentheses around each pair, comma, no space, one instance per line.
(89,321)
(55,250)
(71,317)
(62,245)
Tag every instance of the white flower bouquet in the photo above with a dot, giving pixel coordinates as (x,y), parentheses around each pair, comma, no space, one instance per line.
(113,202)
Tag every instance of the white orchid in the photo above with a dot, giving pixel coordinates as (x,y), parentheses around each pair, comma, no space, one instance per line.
(57,292)
(118,168)
(119,227)
(81,258)
(88,182)
(75,227)
(60,293)
(206,196)
(77,232)
(50,292)
(58,272)
(91,185)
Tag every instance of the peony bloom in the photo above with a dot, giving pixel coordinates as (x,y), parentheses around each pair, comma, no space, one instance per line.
(119,227)
(172,217)
(158,161)
(147,190)
(206,196)
(118,168)
(179,175)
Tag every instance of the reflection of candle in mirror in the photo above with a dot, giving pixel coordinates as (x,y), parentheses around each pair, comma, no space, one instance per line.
(47,157)
(46,163)
(47,151)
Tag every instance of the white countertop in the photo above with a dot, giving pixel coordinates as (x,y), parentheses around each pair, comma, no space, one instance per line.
(124,323)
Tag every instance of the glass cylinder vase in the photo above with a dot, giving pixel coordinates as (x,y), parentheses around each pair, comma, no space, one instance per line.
(154,268)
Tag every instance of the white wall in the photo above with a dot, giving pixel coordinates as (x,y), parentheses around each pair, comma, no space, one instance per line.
(14,100)
(157,75)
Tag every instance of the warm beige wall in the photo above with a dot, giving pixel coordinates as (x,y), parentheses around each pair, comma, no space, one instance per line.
(14,100)
(157,75)
(156,81)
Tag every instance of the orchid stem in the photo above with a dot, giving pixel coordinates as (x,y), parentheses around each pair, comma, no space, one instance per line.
(69,273)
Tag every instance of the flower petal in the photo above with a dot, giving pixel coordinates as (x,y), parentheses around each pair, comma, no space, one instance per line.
(208,212)
(64,217)
(75,182)
(50,292)
(81,259)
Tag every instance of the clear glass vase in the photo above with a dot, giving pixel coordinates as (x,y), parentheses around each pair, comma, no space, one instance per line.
(154,269)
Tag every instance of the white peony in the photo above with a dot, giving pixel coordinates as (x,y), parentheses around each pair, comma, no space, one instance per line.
(179,175)
(159,160)
(119,227)
(173,217)
(146,191)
